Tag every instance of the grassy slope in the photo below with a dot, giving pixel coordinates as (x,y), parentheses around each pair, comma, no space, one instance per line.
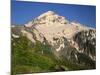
(28,58)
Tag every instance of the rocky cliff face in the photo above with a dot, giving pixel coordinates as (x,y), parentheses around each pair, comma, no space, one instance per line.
(69,40)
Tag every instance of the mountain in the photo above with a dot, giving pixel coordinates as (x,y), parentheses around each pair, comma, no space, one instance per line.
(69,42)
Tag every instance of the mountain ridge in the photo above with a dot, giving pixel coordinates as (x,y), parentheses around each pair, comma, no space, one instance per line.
(68,41)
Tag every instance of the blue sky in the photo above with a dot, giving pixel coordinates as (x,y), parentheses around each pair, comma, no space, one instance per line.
(22,12)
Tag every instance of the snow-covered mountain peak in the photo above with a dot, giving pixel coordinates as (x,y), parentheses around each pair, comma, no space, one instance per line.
(48,18)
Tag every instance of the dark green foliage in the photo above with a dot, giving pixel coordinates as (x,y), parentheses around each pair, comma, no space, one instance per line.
(68,65)
(28,59)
